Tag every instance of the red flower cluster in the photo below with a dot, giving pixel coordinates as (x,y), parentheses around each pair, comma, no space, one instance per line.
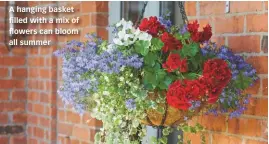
(170,42)
(176,96)
(216,75)
(181,93)
(151,26)
(174,62)
(199,36)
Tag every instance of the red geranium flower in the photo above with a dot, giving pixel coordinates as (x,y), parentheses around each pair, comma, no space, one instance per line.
(151,26)
(170,42)
(199,36)
(217,75)
(173,63)
(177,97)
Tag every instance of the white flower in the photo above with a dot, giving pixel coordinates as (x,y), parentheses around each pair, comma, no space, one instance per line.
(144,36)
(117,41)
(121,79)
(106,93)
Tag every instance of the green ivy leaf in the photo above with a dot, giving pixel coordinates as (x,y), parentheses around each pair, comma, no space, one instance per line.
(142,47)
(156,44)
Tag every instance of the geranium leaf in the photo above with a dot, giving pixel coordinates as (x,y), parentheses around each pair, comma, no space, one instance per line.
(156,44)
(150,59)
(142,47)
(190,50)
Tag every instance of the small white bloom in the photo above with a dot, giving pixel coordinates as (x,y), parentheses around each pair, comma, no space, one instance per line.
(144,36)
(121,78)
(117,41)
(106,78)
(106,93)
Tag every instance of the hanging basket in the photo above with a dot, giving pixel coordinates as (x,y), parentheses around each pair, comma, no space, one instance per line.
(171,116)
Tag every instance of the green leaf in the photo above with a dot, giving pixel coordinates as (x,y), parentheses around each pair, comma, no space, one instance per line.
(242,82)
(156,44)
(191,75)
(150,59)
(186,35)
(142,47)
(190,50)
(165,83)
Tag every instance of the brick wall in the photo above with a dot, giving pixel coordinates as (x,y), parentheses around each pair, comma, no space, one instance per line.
(30,110)
(245,30)
(30,76)
(13,81)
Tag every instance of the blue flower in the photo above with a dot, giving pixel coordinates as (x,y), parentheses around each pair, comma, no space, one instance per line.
(130,104)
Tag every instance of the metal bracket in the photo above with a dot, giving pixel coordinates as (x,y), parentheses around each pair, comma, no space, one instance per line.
(227,7)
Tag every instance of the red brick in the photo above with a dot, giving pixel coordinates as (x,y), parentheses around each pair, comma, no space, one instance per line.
(51,86)
(38,132)
(32,119)
(225,139)
(245,126)
(244,43)
(81,133)
(258,107)
(47,73)
(4,140)
(254,89)
(12,61)
(2,3)
(38,108)
(4,95)
(64,128)
(19,51)
(260,63)
(20,117)
(36,61)
(45,122)
(18,140)
(220,41)
(33,73)
(33,96)
(204,22)
(3,72)
(9,84)
(209,8)
(61,115)
(12,106)
(265,87)
(72,117)
(206,121)
(87,119)
(247,6)
(3,50)
(19,95)
(233,24)
(19,72)
(255,142)
(84,21)
(50,111)
(190,8)
(261,26)
(266,5)
(99,19)
(195,138)
(100,6)
(3,118)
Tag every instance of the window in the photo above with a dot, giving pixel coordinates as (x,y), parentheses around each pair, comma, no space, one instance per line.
(131,10)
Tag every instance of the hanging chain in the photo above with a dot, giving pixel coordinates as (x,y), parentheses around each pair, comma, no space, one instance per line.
(182,11)
(142,14)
